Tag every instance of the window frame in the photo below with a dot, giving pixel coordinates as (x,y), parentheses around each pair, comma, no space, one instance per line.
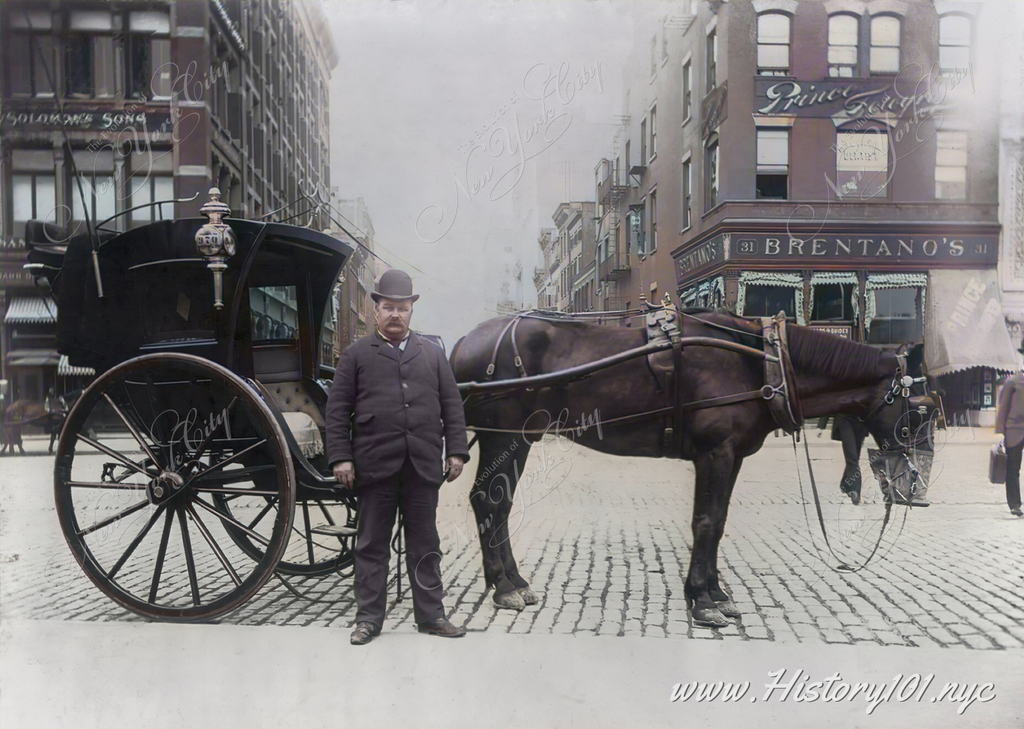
(878,18)
(687,90)
(947,71)
(772,170)
(712,177)
(711,61)
(768,70)
(829,45)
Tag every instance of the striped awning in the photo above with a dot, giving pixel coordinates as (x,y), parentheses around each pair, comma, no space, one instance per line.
(33,309)
(66,369)
(32,358)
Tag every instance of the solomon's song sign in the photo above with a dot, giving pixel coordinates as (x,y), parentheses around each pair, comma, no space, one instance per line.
(892,248)
(48,118)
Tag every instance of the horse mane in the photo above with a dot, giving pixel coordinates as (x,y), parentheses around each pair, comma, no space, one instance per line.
(827,354)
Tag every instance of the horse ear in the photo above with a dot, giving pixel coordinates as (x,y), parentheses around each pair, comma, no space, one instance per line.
(915,358)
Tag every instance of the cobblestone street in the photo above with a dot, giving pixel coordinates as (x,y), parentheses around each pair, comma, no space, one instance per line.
(605,543)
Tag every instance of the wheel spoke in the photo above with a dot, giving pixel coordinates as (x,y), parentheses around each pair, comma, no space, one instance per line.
(189,561)
(116,517)
(263,513)
(135,542)
(213,545)
(104,485)
(226,461)
(309,534)
(237,524)
(168,523)
(134,432)
(114,454)
(237,492)
(206,441)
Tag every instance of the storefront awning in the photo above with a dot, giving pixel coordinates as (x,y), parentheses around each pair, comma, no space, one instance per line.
(964,325)
(37,309)
(66,369)
(32,358)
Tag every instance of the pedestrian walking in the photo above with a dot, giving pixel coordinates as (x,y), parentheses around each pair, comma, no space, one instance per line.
(1010,422)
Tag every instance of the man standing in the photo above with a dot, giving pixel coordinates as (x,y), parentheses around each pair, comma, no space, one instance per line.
(1010,422)
(399,393)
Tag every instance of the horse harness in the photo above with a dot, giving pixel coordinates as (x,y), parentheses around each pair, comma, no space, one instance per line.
(663,327)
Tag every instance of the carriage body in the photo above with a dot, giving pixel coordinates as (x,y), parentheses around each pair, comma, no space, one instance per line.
(194,466)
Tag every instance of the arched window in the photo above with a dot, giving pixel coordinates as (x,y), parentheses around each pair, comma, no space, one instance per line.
(885,44)
(773,33)
(954,43)
(842,45)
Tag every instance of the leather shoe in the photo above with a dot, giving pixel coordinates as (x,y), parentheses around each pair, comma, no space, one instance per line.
(441,627)
(364,633)
(1017,512)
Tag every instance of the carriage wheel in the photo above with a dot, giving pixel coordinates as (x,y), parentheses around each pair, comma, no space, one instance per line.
(144,456)
(322,535)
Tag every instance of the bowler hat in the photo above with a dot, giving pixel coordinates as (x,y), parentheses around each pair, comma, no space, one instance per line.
(394,284)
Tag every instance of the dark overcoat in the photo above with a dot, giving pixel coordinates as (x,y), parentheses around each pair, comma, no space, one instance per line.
(386,403)
(1010,412)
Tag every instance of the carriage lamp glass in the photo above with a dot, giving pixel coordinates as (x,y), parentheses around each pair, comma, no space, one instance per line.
(215,241)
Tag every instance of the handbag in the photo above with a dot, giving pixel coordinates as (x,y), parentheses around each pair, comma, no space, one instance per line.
(997,463)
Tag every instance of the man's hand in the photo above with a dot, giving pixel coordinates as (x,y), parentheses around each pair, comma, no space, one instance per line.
(345,472)
(454,467)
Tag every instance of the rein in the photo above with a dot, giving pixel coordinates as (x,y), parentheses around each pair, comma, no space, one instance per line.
(900,386)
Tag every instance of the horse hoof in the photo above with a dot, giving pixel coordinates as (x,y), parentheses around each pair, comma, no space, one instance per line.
(511,600)
(529,598)
(727,608)
(709,618)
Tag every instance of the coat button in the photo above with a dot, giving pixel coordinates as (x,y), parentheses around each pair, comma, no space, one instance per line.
(405,384)
(407,404)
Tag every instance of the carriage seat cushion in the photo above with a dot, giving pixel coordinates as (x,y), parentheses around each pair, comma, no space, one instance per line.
(291,397)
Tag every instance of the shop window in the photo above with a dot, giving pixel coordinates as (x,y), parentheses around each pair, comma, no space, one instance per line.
(34,198)
(862,163)
(954,44)
(30,53)
(769,300)
(885,44)
(897,316)
(950,165)
(842,45)
(773,163)
(833,302)
(773,44)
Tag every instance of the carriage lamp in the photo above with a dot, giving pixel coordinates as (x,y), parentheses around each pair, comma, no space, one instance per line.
(215,242)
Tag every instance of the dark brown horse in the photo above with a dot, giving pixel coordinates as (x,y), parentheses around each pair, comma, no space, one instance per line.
(833,375)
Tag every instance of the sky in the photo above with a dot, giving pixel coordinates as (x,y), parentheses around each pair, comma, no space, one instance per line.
(463,124)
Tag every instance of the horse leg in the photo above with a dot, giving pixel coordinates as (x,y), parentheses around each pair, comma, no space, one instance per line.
(722,599)
(714,471)
(504,546)
(491,489)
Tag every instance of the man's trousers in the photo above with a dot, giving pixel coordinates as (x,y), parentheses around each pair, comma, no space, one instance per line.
(416,499)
